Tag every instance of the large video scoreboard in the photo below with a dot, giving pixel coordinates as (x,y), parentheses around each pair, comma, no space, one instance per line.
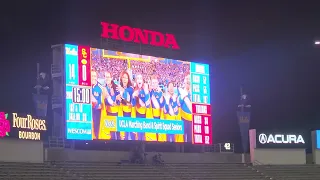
(113,95)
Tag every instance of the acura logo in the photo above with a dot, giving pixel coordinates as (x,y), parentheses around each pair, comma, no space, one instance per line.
(263,138)
(281,139)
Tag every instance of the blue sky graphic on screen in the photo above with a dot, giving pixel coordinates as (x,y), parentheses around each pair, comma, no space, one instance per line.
(113,95)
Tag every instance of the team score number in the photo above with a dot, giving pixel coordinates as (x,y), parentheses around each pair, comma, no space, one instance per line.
(81,95)
(84,72)
(84,66)
(72,72)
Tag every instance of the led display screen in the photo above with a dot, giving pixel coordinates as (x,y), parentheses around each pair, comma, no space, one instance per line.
(318,139)
(113,95)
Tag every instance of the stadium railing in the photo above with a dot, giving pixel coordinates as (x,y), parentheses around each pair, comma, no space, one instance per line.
(58,142)
(154,167)
(258,163)
(181,175)
(220,147)
(56,101)
(60,165)
(55,70)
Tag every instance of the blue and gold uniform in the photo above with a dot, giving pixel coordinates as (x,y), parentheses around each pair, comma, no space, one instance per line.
(186,116)
(174,105)
(111,114)
(142,111)
(125,110)
(96,108)
(157,113)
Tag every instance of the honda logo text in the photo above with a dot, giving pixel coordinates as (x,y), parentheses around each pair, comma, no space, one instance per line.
(137,35)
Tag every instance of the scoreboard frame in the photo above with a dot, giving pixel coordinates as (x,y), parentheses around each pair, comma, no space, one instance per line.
(83,52)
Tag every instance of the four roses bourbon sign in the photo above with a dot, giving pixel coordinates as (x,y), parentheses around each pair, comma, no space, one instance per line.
(137,35)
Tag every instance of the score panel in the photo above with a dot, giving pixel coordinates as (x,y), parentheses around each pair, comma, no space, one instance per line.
(78,107)
(201,109)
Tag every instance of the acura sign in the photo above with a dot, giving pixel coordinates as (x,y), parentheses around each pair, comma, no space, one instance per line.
(280,140)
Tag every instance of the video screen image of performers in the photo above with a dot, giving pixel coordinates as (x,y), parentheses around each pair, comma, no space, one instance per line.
(136,97)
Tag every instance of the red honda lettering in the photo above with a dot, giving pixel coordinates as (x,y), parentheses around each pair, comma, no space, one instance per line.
(171,40)
(129,34)
(157,35)
(142,36)
(109,28)
(126,33)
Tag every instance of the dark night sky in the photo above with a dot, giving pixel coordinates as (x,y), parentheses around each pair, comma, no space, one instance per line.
(268,47)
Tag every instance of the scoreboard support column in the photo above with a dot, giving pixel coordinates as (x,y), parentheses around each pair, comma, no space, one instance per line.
(143,146)
(202,148)
(180,148)
(243,158)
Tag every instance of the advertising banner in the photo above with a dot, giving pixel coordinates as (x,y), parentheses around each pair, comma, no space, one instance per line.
(244,123)
(282,139)
(41,104)
(25,127)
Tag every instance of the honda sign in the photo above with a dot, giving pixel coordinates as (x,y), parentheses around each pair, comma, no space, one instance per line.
(280,140)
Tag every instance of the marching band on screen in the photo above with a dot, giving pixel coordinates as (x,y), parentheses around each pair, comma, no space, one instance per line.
(137,93)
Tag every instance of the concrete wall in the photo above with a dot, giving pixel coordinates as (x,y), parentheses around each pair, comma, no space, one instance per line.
(116,156)
(12,150)
(280,156)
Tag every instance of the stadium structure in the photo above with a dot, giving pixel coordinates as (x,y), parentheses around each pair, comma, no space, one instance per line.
(271,155)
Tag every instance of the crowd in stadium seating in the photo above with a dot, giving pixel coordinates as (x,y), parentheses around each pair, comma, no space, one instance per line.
(115,66)
(166,72)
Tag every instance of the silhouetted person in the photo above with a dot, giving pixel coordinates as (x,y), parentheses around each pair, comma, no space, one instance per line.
(157,160)
(43,84)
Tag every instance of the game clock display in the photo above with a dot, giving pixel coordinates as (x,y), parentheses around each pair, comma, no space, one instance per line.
(113,95)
